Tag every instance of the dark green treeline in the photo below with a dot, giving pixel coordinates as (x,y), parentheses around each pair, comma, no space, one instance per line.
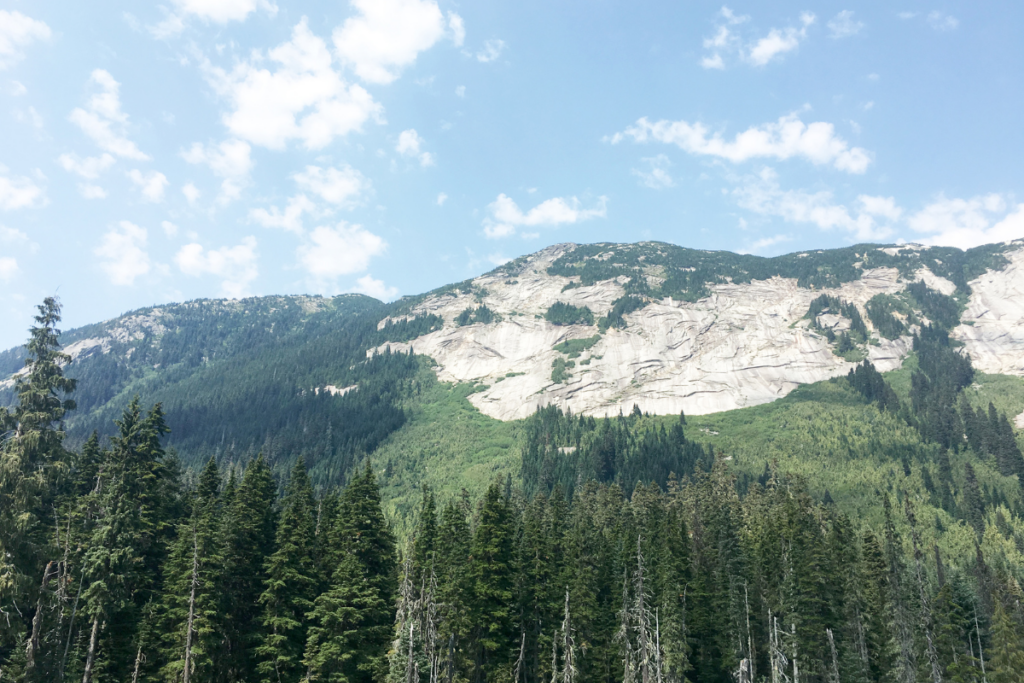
(115,565)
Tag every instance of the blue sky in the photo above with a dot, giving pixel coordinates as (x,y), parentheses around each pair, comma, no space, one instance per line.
(207,148)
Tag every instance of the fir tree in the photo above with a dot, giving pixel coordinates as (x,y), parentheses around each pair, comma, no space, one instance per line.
(121,561)
(291,585)
(248,539)
(493,584)
(1006,656)
(190,606)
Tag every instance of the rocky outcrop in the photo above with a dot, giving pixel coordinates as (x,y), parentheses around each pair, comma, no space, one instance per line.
(993,322)
(743,345)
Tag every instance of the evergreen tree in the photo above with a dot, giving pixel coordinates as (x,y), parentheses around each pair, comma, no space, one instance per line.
(493,585)
(351,622)
(33,467)
(248,540)
(291,585)
(124,551)
(1006,656)
(191,605)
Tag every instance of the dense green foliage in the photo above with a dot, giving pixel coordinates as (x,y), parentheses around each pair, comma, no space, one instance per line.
(880,310)
(621,306)
(685,274)
(480,314)
(560,313)
(624,551)
(574,348)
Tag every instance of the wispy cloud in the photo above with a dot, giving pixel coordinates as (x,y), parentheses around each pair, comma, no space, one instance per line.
(787,138)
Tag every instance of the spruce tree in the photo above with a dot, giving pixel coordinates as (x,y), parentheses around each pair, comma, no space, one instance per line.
(351,623)
(248,540)
(124,550)
(493,585)
(1006,656)
(33,465)
(291,585)
(192,642)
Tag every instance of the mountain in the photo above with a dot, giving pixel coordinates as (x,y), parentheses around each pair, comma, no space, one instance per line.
(592,329)
(706,331)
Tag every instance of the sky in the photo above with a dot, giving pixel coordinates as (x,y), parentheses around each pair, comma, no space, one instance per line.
(163,152)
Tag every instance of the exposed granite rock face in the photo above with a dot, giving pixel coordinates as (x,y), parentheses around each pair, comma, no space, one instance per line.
(744,345)
(993,323)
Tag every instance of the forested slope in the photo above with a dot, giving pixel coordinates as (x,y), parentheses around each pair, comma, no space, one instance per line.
(626,549)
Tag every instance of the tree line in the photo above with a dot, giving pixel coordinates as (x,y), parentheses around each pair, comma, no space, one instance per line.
(117,564)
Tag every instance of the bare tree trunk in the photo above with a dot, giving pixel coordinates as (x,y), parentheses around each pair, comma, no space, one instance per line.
(138,663)
(71,628)
(32,647)
(796,667)
(926,611)
(981,655)
(91,656)
(835,656)
(750,636)
(517,672)
(191,607)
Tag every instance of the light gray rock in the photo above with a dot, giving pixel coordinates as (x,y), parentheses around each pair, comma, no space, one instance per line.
(743,345)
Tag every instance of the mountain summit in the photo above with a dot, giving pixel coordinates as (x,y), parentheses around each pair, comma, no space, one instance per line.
(600,328)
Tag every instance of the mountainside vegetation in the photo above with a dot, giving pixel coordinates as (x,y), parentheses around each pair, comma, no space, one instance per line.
(257,491)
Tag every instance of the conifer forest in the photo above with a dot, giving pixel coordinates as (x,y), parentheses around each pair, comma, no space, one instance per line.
(619,550)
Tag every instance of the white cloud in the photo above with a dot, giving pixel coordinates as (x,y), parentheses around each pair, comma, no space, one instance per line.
(788,137)
(230,160)
(387,35)
(103,121)
(29,116)
(290,219)
(342,186)
(715,61)
(441,198)
(223,11)
(870,221)
(90,191)
(151,184)
(235,266)
(843,25)
(460,91)
(8,268)
(656,175)
(731,17)
(123,254)
(191,192)
(18,31)
(375,288)
(765,242)
(727,40)
(89,167)
(12,235)
(170,229)
(491,51)
(940,21)
(966,223)
(506,215)
(215,11)
(907,15)
(457,28)
(342,250)
(305,99)
(19,193)
(779,42)
(18,89)
(409,143)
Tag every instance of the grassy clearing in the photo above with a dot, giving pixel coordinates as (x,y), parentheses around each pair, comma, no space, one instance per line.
(447,444)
